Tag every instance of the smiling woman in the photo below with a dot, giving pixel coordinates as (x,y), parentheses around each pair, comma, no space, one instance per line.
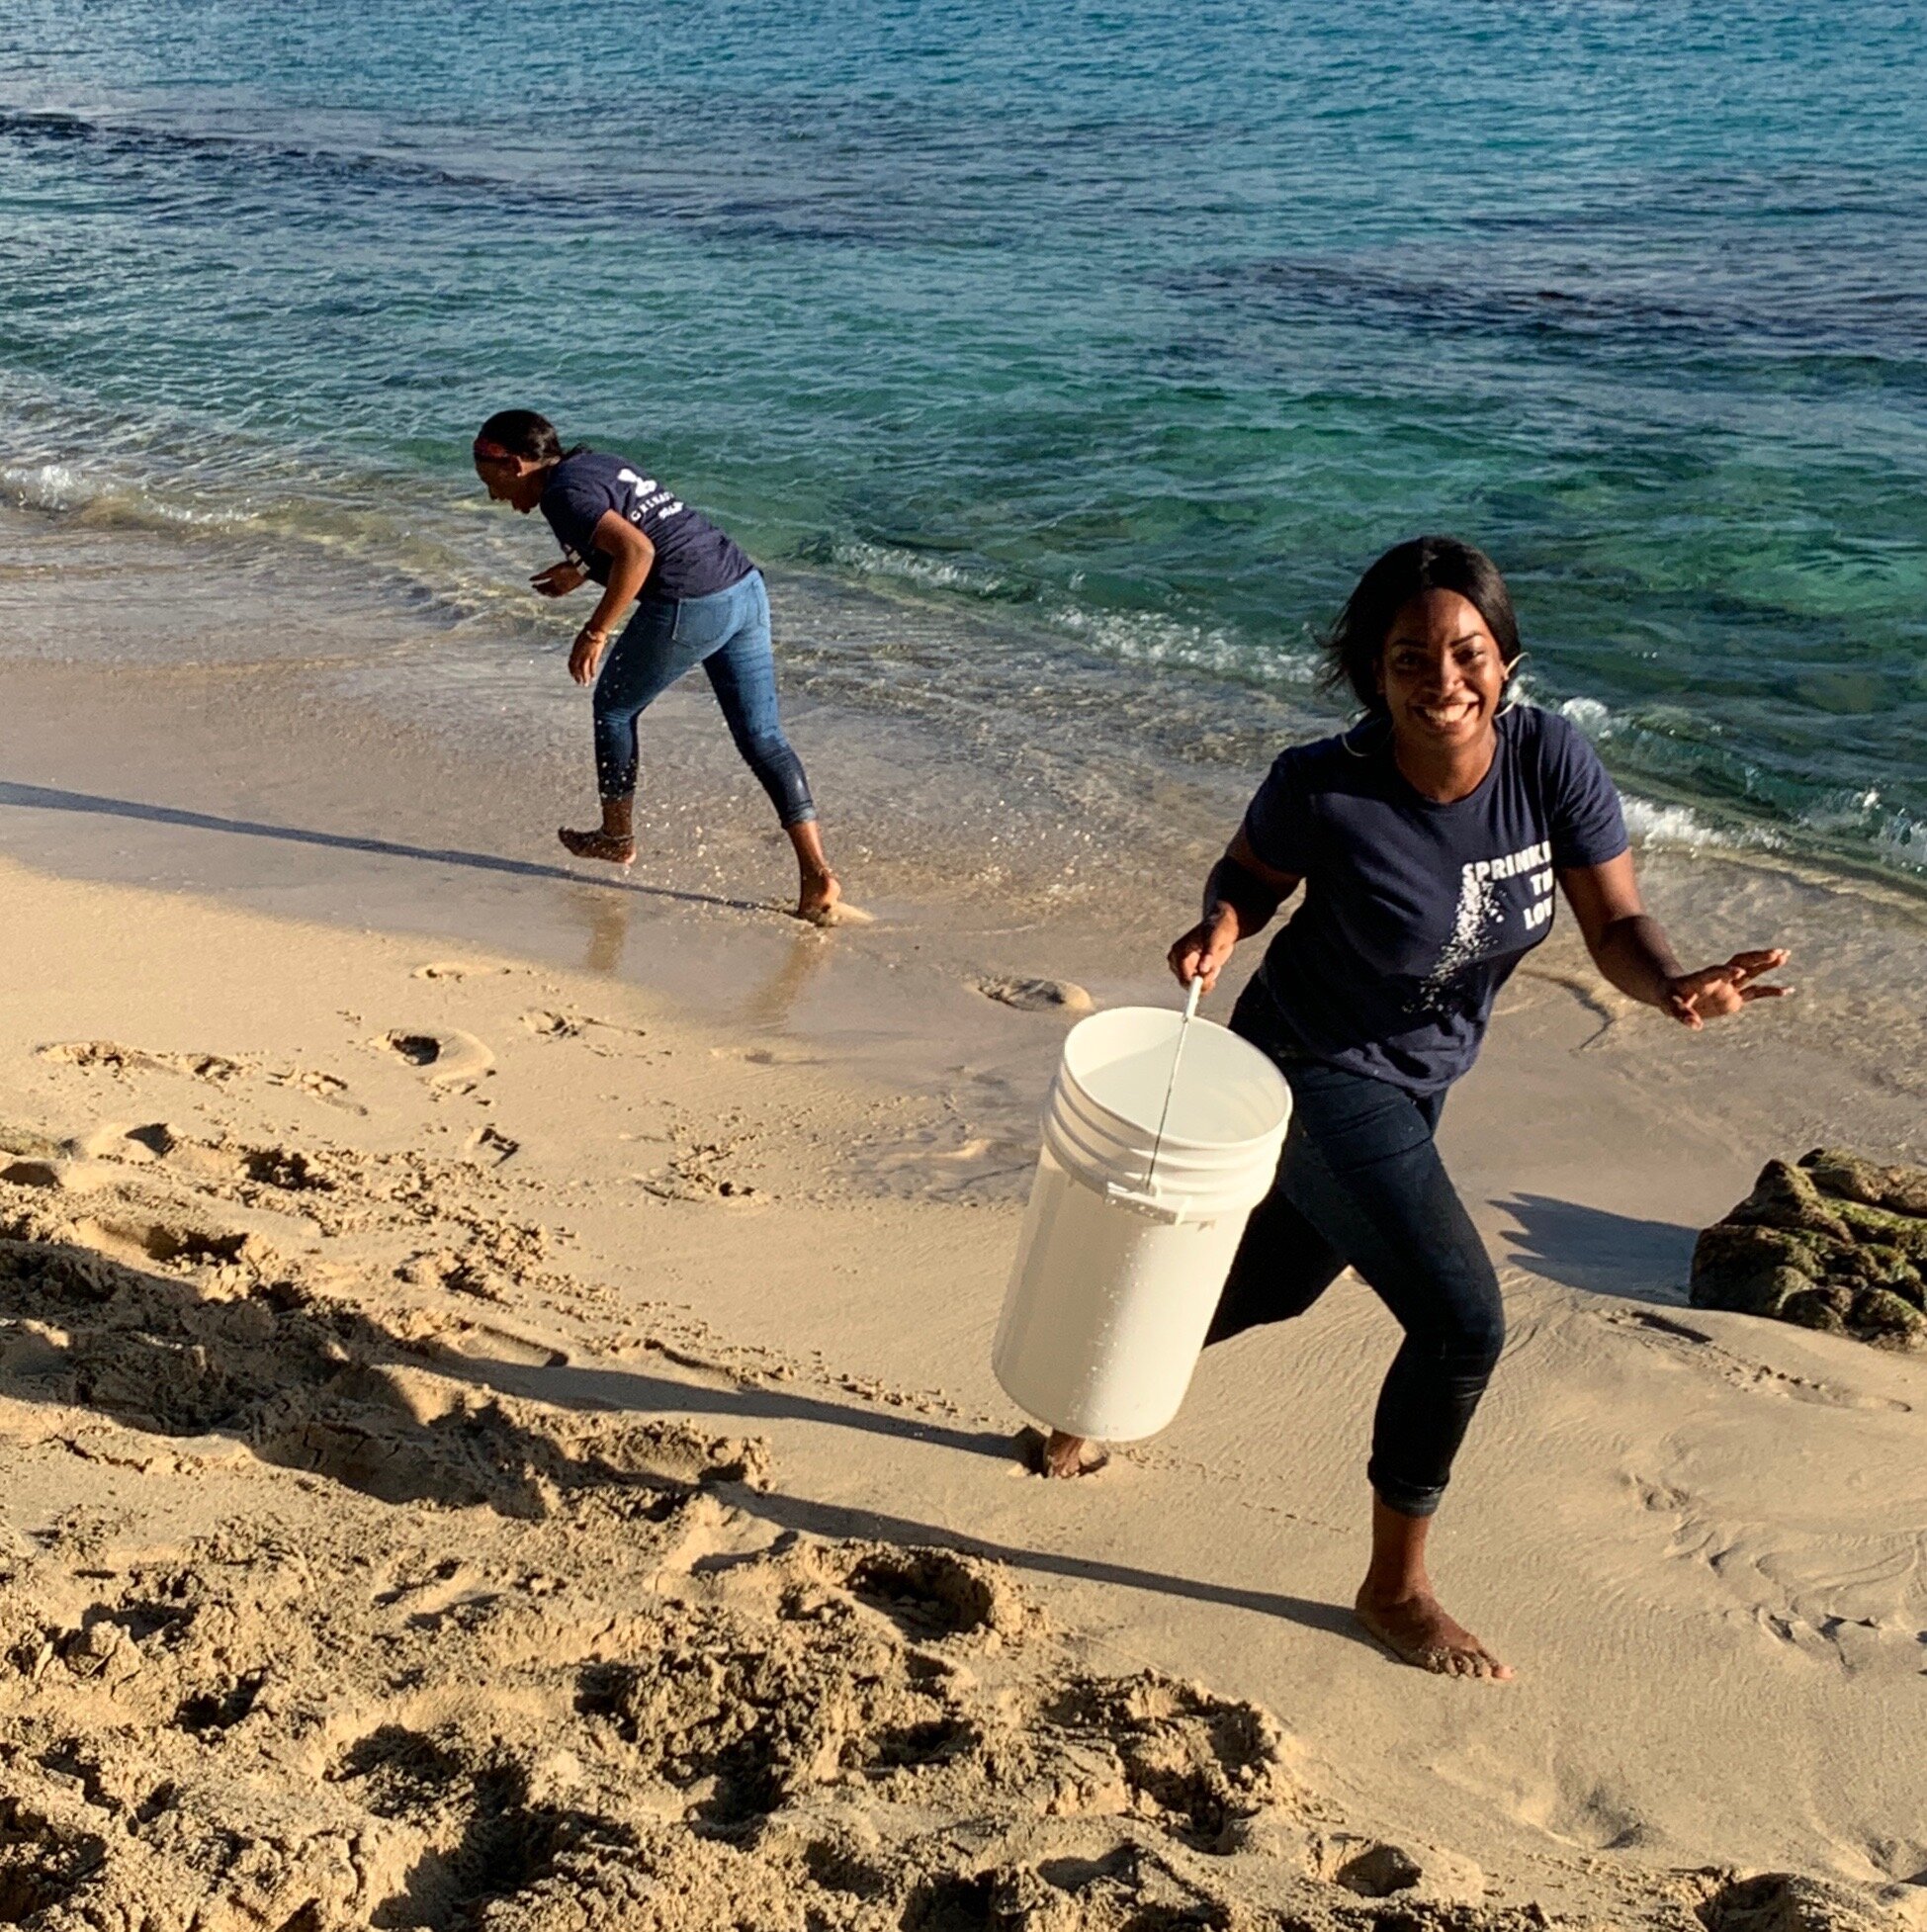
(1428,839)
(1385,655)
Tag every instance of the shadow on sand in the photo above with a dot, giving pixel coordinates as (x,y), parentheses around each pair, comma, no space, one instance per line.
(267,1369)
(47,798)
(1600,1252)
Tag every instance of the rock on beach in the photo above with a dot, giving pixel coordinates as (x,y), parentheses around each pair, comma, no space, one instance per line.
(1830,1242)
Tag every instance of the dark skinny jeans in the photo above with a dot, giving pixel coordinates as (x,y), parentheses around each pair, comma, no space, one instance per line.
(1359,1183)
(728,633)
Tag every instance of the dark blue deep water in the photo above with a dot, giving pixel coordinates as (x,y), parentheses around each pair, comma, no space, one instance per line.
(1142,325)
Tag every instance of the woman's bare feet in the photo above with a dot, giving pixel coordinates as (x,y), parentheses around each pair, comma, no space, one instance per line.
(1069,1455)
(614,843)
(1416,1629)
(817,898)
(599,844)
(818,891)
(1396,1605)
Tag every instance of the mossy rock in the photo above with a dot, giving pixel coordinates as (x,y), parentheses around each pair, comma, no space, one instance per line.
(1883,1319)
(1832,1242)
(1784,1196)
(1822,1308)
(1879,1266)
(1846,1177)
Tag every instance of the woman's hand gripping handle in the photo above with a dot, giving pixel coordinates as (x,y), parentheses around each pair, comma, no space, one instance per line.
(1200,955)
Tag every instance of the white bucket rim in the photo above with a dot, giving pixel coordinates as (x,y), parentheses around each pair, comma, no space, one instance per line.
(1272,1079)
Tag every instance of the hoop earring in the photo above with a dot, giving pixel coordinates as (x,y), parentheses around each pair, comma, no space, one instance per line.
(1512,694)
(1352,730)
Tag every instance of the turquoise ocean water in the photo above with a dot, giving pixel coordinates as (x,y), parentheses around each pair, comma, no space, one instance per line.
(1138,328)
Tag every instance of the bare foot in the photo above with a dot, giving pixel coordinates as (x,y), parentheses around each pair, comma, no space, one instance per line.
(599,844)
(1416,1629)
(1061,1455)
(818,898)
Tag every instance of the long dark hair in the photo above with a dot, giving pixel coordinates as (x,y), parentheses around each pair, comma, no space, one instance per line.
(521,432)
(1405,572)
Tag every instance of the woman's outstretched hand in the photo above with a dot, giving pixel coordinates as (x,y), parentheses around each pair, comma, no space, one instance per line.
(558,579)
(1202,953)
(1693,999)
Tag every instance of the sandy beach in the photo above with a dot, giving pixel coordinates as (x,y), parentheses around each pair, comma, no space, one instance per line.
(497,1424)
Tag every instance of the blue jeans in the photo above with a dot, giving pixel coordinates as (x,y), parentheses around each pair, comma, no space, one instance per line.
(728,633)
(1359,1183)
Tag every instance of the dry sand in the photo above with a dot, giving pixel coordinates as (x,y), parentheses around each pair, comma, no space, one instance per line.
(483,1447)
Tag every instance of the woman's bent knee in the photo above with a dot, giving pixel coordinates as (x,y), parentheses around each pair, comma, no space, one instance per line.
(1464,1323)
(1481,1341)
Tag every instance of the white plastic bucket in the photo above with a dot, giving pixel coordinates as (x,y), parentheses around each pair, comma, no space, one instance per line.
(1123,1257)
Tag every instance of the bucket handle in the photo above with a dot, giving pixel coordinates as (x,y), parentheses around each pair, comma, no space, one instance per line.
(1148,1200)
(1147,1203)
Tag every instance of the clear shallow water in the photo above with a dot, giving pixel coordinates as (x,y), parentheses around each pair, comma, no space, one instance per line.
(1137,329)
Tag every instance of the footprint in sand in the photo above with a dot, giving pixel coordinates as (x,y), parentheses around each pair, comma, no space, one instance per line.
(545,1023)
(1036,995)
(491,1143)
(29,1143)
(479,1342)
(455,970)
(445,1056)
(699,1172)
(130,1238)
(1696,1345)
(125,1061)
(553,1025)
(1372,1869)
(330,1088)
(62,1176)
(109,1056)
(1783,1898)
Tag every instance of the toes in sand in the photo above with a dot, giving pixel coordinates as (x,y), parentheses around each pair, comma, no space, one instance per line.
(835,913)
(1417,1630)
(820,902)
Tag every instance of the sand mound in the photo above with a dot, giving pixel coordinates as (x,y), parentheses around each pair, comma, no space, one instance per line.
(463,1660)
(1036,995)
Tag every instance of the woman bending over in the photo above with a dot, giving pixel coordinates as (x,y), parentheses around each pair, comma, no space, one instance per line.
(699,600)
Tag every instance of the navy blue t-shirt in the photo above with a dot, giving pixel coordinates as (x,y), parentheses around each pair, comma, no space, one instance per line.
(693,559)
(1415,913)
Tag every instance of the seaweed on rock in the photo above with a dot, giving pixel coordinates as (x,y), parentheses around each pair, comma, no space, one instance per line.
(1834,1242)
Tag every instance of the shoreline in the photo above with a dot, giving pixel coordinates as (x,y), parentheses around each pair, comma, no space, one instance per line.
(903,655)
(308,751)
